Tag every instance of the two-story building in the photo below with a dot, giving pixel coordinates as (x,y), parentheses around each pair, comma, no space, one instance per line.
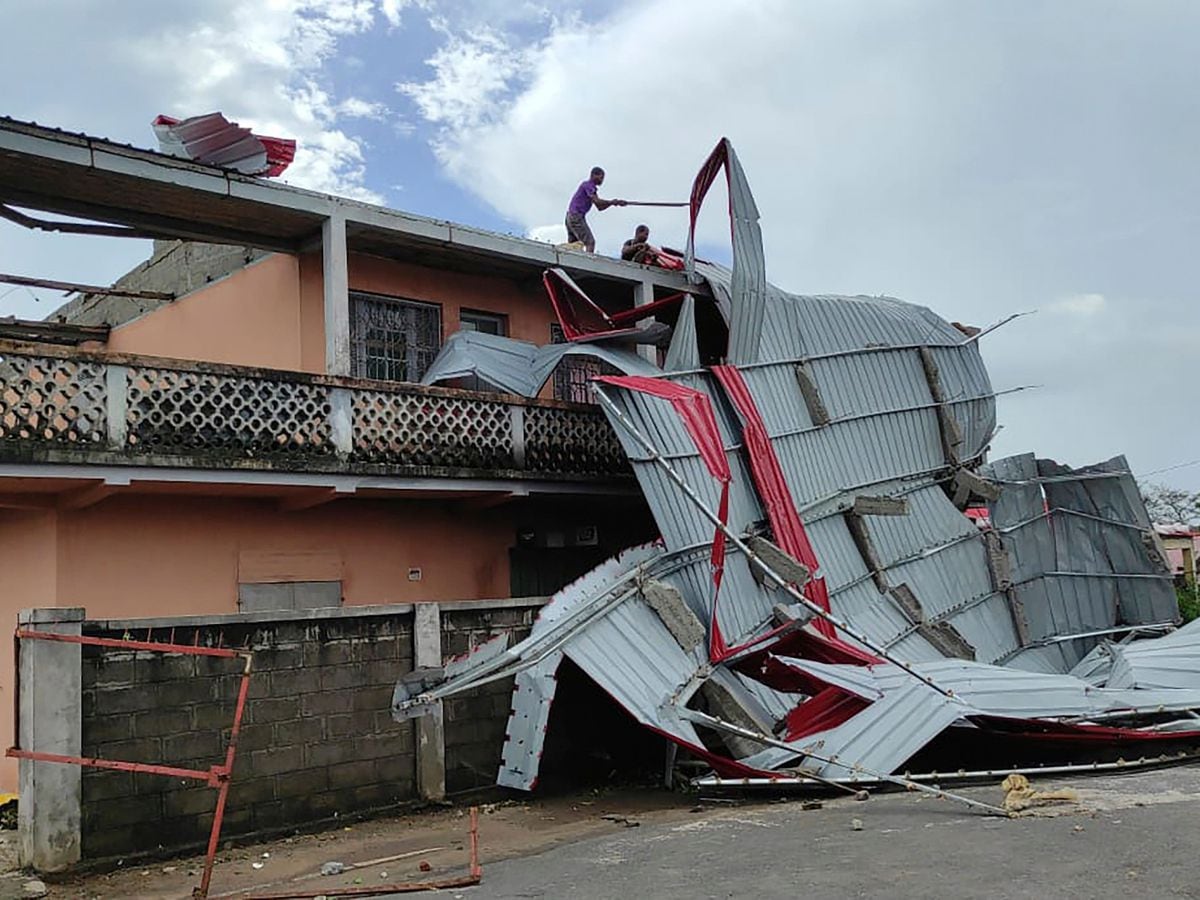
(238,426)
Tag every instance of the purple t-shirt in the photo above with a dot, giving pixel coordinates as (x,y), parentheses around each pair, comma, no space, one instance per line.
(582,201)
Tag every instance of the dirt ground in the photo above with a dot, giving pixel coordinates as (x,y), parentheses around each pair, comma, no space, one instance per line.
(576,837)
(437,837)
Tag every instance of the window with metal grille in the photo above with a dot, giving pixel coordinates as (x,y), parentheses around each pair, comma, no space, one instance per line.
(393,340)
(572,374)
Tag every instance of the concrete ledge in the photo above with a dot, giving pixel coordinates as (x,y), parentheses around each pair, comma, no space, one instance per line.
(286,615)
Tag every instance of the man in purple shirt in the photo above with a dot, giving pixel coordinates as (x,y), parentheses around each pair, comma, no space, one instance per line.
(584,199)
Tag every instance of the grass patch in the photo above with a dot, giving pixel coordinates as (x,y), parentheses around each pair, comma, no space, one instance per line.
(1189,604)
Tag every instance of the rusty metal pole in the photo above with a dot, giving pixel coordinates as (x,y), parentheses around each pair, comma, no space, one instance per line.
(224,773)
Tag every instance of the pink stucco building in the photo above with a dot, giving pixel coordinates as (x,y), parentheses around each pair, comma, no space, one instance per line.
(257,441)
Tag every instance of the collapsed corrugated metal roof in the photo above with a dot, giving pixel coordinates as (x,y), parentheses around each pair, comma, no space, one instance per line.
(818,603)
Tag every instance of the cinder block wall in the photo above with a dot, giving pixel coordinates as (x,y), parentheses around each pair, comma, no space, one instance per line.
(475,721)
(317,739)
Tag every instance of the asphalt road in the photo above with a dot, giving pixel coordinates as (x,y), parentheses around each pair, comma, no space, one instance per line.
(1129,836)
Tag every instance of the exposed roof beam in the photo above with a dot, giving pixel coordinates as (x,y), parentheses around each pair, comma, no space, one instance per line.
(7,212)
(72,287)
(227,207)
(51,332)
(152,225)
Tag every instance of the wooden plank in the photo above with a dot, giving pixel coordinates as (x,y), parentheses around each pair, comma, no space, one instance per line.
(782,562)
(812,395)
(947,639)
(880,506)
(975,485)
(866,549)
(51,332)
(909,603)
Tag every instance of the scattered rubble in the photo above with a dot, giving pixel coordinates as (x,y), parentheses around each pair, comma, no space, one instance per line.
(622,820)
(1019,796)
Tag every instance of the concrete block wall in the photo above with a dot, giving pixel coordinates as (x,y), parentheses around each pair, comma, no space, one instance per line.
(177,267)
(317,735)
(317,739)
(475,722)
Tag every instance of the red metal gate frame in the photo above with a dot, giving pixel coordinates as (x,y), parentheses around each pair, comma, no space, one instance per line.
(216,776)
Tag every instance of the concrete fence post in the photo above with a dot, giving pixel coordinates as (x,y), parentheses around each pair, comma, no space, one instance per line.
(50,720)
(430,735)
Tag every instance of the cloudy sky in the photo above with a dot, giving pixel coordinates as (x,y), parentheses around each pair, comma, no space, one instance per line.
(982,158)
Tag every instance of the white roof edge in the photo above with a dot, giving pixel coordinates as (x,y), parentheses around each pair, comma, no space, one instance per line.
(108,156)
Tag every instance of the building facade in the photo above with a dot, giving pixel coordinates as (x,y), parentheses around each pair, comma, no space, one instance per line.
(241,429)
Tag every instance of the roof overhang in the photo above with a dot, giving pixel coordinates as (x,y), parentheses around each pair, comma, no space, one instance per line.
(79,175)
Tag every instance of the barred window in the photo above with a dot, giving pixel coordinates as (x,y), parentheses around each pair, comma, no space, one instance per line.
(393,340)
(572,374)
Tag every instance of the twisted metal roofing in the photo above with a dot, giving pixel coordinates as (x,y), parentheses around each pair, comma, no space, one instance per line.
(878,415)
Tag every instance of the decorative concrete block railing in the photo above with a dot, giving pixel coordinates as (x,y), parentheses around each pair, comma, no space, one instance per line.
(67,405)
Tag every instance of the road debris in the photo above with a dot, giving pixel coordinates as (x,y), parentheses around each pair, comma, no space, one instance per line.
(622,820)
(359,888)
(1019,796)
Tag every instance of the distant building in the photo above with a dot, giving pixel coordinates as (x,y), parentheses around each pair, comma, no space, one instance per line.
(1183,549)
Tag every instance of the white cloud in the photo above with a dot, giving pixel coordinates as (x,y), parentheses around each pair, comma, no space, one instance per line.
(356,108)
(472,73)
(551,234)
(391,9)
(956,155)
(261,64)
(119,64)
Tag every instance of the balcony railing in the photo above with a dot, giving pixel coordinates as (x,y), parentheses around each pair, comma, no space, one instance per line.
(64,405)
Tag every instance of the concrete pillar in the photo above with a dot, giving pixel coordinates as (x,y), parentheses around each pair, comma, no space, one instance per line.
(643,294)
(341,421)
(430,736)
(117,406)
(50,721)
(516,419)
(335,268)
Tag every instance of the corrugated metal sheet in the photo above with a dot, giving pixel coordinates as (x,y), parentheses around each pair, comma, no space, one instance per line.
(684,351)
(909,714)
(519,367)
(748,279)
(1172,661)
(848,390)
(213,140)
